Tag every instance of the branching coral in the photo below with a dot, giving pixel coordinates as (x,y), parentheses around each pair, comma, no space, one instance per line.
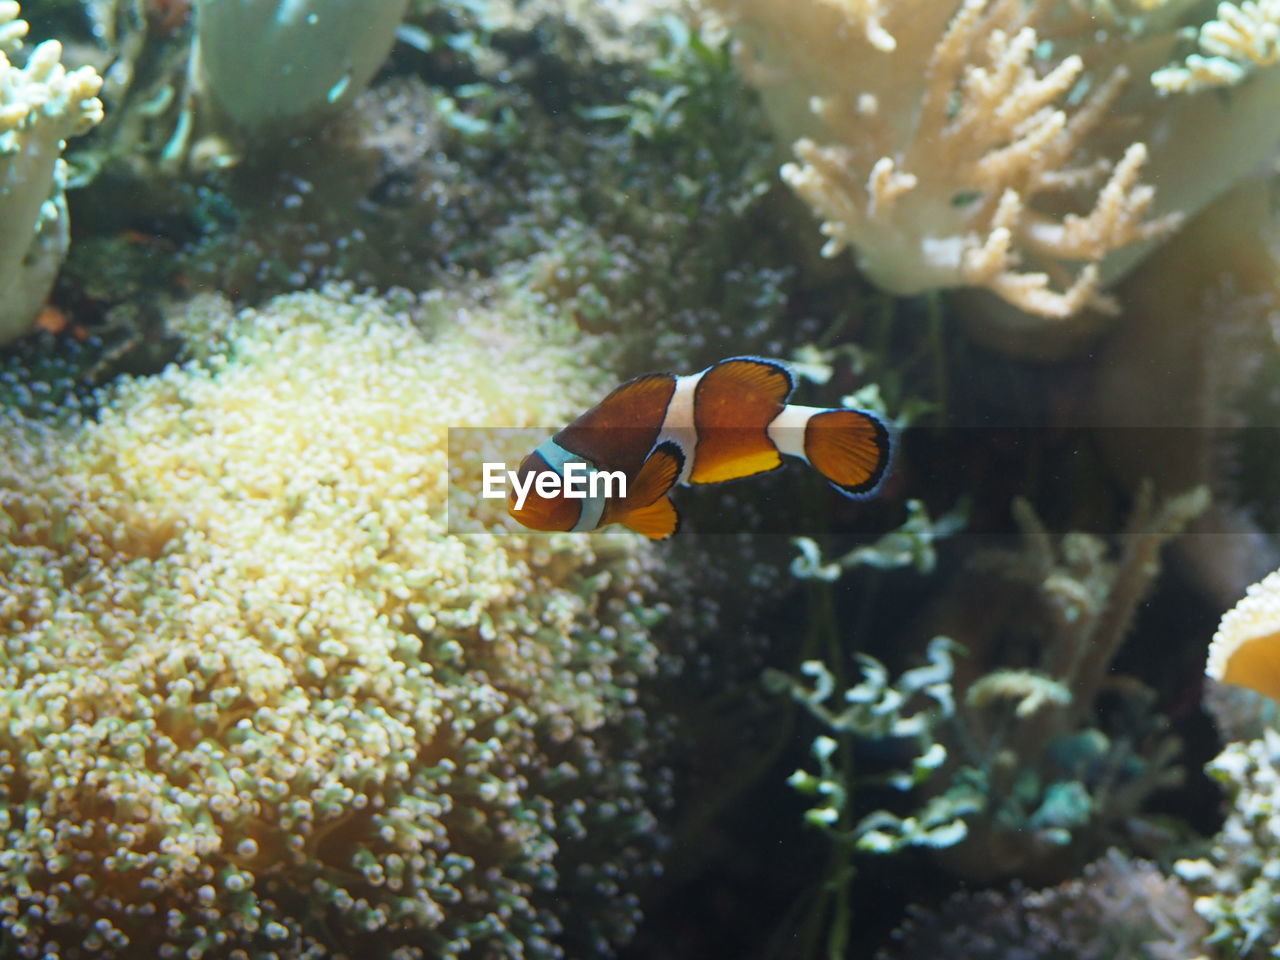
(877,709)
(1121,909)
(255,700)
(1056,781)
(1245,37)
(41,105)
(996,144)
(936,134)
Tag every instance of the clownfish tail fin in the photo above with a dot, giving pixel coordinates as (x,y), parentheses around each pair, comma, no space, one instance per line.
(657,521)
(851,448)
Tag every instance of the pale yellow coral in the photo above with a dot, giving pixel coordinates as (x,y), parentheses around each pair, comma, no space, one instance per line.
(41,105)
(248,677)
(1029,690)
(1014,147)
(947,148)
(1245,37)
(1246,649)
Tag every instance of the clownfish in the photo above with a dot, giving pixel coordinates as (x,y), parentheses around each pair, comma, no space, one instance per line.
(732,420)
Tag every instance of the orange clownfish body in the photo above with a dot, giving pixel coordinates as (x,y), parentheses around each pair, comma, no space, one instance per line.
(731,420)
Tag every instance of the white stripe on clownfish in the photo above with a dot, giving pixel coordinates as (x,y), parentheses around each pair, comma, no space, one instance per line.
(678,425)
(786,430)
(557,457)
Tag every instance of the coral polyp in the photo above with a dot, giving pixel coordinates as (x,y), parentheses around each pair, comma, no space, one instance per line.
(259,701)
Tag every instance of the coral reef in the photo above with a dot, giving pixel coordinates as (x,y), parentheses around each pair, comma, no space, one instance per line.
(906,712)
(1242,40)
(41,105)
(1056,775)
(622,173)
(257,700)
(1024,756)
(1119,909)
(875,708)
(264,693)
(1240,896)
(994,144)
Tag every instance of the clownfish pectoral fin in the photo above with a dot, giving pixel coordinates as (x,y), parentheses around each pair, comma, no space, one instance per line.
(848,447)
(736,401)
(657,521)
(656,478)
(646,508)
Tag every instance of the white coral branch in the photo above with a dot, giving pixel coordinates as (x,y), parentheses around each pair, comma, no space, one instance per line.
(993,264)
(976,171)
(984,262)
(1031,292)
(1247,33)
(873,27)
(41,105)
(1117,219)
(1244,38)
(12,29)
(885,185)
(946,63)
(824,179)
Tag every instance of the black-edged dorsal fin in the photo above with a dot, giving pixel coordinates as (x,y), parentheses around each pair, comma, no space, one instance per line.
(734,404)
(619,431)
